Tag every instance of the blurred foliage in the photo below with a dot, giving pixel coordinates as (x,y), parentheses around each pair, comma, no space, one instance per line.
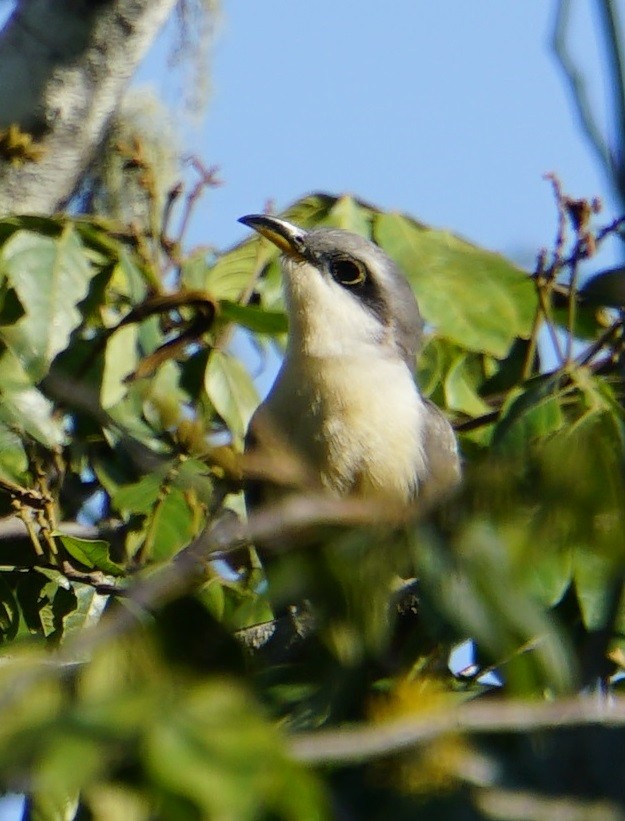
(135,683)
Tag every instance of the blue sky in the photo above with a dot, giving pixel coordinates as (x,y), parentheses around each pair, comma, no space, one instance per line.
(451,111)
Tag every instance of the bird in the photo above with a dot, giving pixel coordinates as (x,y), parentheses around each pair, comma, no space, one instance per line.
(345,401)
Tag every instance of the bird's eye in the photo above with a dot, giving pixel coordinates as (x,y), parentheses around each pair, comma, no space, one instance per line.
(348,272)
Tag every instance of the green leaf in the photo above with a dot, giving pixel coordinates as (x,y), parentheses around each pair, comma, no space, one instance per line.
(13,461)
(549,575)
(236,270)
(461,388)
(24,408)
(472,296)
(87,612)
(311,210)
(349,214)
(530,413)
(256,319)
(138,497)
(50,277)
(431,365)
(217,751)
(93,553)
(173,526)
(605,288)
(9,612)
(593,575)
(120,360)
(194,270)
(230,389)
(37,223)
(128,274)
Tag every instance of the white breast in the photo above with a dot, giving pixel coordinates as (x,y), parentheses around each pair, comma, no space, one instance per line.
(358,422)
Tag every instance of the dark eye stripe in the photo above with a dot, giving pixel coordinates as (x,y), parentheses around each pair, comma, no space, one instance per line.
(353,275)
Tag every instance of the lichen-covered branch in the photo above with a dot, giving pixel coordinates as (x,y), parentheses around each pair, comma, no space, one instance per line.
(63,69)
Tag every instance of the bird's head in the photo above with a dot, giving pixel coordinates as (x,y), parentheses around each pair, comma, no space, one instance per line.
(344,295)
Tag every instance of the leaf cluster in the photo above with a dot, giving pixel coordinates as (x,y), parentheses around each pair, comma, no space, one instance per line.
(141,678)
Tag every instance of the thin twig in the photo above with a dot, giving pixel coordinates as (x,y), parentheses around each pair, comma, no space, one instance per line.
(610,25)
(606,337)
(577,85)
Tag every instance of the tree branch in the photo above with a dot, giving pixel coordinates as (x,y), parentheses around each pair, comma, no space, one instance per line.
(576,84)
(610,25)
(358,743)
(63,69)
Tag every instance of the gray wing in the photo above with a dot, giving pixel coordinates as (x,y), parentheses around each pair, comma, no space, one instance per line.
(442,458)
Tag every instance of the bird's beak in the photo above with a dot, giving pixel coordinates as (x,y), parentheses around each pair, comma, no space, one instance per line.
(289,238)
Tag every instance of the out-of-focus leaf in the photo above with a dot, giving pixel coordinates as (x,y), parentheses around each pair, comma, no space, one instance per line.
(120,360)
(37,223)
(549,575)
(9,612)
(605,288)
(253,318)
(51,804)
(139,496)
(50,276)
(589,321)
(13,461)
(431,366)
(93,553)
(349,214)
(192,474)
(472,296)
(231,390)
(482,595)
(194,269)
(216,750)
(592,575)
(117,802)
(69,761)
(529,413)
(129,278)
(310,210)
(234,272)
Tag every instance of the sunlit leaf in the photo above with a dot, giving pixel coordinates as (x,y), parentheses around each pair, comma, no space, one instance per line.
(50,276)
(461,388)
(253,318)
(173,526)
(350,215)
(24,408)
(120,360)
(230,389)
(89,607)
(13,461)
(93,553)
(472,296)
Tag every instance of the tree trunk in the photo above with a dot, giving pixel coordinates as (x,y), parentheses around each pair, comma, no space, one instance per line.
(64,65)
